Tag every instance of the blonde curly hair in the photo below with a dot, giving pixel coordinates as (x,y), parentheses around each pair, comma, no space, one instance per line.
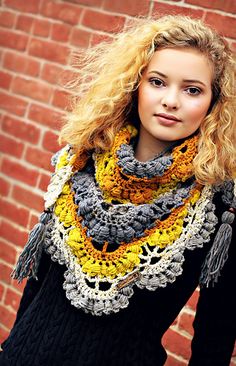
(110,74)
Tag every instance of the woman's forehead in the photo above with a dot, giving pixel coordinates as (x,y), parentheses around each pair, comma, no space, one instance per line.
(186,63)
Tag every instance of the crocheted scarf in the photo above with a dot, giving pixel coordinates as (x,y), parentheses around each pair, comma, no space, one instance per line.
(117,223)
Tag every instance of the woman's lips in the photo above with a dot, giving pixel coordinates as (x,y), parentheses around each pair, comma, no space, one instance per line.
(166,121)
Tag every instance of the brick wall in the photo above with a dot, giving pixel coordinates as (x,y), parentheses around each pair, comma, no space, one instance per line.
(36,37)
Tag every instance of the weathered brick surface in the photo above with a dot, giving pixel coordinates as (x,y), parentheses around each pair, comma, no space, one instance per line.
(7,253)
(27,199)
(49,50)
(36,39)
(32,88)
(21,64)
(14,40)
(24,23)
(18,171)
(7,19)
(10,211)
(5,80)
(10,146)
(102,21)
(21,130)
(29,6)
(12,104)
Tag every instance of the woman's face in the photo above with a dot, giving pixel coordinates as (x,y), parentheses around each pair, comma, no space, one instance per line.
(173,97)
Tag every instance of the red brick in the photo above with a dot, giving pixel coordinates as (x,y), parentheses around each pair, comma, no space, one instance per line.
(45,116)
(233,47)
(192,302)
(98,38)
(5,271)
(7,19)
(4,187)
(12,299)
(87,2)
(185,323)
(1,289)
(41,27)
(50,141)
(160,9)
(13,40)
(51,73)
(19,172)
(18,286)
(22,64)
(44,181)
(29,6)
(61,99)
(226,25)
(31,88)
(228,6)
(7,253)
(49,51)
(177,344)
(130,7)
(33,221)
(24,23)
(10,146)
(101,21)
(39,158)
(64,12)
(171,361)
(12,104)
(14,213)
(22,130)
(67,76)
(7,317)
(5,80)
(29,199)
(61,32)
(12,234)
(80,38)
(3,334)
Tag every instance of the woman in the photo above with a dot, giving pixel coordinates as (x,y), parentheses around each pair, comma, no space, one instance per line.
(140,209)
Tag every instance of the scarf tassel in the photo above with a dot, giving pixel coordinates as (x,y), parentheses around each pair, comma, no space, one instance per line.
(218,254)
(28,261)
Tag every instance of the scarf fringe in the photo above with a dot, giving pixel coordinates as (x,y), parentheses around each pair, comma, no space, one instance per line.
(28,262)
(218,254)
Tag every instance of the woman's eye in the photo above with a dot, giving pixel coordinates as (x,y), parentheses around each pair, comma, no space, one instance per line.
(193,91)
(156,82)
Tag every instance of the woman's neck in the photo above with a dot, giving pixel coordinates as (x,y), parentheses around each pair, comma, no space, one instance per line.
(148,147)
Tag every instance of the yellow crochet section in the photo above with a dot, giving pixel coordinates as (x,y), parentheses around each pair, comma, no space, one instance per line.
(126,258)
(78,162)
(118,186)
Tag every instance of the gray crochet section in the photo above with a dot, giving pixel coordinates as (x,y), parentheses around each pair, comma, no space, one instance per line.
(227,191)
(149,169)
(228,194)
(107,306)
(118,223)
(203,235)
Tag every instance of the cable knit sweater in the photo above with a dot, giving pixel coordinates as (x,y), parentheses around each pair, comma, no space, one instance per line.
(127,243)
(49,331)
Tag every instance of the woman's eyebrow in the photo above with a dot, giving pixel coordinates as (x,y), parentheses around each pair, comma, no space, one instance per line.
(185,80)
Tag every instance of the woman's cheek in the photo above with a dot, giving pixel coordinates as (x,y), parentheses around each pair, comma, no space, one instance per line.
(198,108)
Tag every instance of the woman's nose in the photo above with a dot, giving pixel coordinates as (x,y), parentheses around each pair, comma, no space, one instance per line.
(170,99)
